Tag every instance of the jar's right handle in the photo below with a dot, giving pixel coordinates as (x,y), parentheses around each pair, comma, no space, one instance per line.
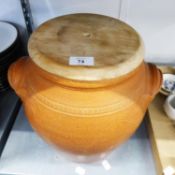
(154,80)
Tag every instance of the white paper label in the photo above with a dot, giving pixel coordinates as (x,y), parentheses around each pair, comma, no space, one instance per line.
(81,61)
(80,170)
(106,165)
(169,171)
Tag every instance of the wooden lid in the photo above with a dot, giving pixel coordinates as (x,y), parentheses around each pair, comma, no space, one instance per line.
(115,47)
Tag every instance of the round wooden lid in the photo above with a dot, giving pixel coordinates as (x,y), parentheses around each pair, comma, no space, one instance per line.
(86,47)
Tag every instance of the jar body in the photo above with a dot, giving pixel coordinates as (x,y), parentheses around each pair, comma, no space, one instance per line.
(83,121)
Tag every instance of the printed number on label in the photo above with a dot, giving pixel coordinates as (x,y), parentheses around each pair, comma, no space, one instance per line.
(81,61)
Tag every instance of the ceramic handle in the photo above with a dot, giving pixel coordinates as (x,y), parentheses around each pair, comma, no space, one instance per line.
(154,80)
(16,77)
(157,80)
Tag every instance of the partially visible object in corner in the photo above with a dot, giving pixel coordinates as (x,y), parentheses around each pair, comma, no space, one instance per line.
(169,106)
(9,50)
(168,85)
(169,171)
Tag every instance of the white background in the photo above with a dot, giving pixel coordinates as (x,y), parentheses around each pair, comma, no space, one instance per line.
(153,19)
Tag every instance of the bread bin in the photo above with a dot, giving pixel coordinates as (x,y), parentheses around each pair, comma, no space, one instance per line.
(85,86)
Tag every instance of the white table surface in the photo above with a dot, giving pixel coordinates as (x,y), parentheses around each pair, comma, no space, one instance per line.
(27,154)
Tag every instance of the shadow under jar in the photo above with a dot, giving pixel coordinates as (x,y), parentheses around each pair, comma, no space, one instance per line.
(85,87)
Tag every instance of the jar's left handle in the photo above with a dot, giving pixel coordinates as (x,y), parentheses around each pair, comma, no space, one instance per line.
(17,77)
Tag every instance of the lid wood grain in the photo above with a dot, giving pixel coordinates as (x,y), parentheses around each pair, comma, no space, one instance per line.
(116,47)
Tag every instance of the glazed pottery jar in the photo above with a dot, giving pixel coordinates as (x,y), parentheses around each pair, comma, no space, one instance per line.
(85,87)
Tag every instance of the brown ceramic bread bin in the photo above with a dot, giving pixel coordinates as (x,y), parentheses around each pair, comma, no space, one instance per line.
(84,109)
